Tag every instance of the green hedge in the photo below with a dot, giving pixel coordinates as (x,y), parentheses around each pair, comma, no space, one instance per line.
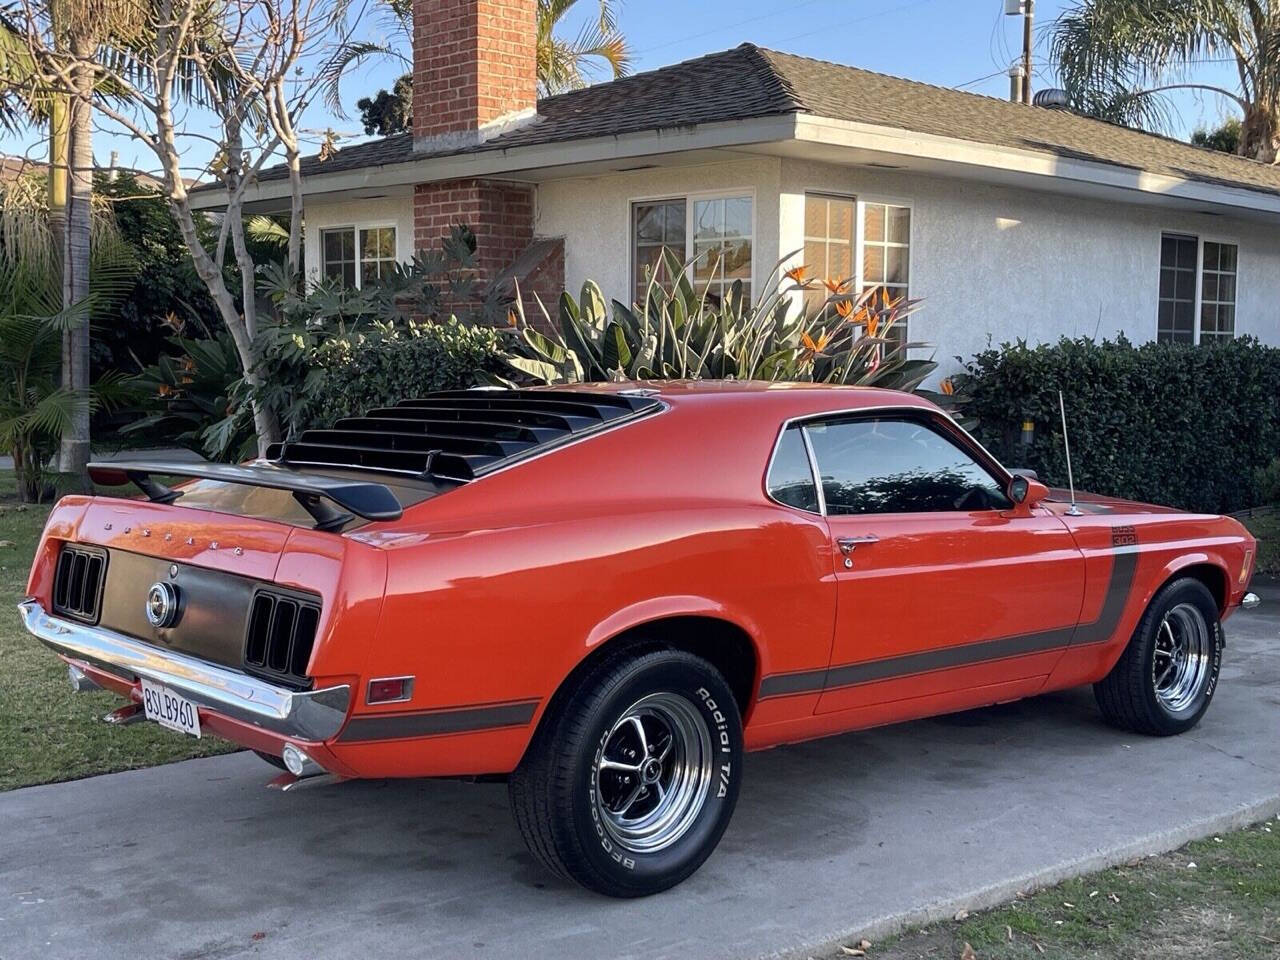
(1173,424)
(355,372)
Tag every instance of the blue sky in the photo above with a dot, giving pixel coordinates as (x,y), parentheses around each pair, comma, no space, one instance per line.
(952,43)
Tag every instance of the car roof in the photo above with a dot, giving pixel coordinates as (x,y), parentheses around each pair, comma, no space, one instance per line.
(789,399)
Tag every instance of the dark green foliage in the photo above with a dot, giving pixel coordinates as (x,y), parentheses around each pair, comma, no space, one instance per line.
(360,371)
(1225,138)
(167,280)
(1164,423)
(390,112)
(1267,481)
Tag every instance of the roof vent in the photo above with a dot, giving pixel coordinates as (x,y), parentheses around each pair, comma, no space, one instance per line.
(1051,98)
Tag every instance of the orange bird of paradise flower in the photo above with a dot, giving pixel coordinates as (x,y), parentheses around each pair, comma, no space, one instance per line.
(814,349)
(844,309)
(835,286)
(947,387)
(798,275)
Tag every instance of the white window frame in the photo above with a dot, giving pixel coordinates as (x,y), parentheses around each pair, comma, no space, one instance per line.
(357,227)
(689,198)
(1201,239)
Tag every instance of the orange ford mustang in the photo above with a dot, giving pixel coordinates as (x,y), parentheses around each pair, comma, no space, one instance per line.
(606,594)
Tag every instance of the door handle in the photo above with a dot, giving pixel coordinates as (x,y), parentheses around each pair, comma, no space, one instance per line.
(847,544)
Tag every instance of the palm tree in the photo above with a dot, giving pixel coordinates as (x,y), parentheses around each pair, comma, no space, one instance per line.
(563,63)
(1118,58)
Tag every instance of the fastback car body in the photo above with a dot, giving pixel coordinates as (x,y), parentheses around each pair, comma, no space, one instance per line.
(608,592)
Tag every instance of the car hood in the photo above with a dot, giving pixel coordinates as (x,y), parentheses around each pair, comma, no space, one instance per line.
(1092,503)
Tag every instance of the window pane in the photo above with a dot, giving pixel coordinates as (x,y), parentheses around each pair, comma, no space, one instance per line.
(873,223)
(815,257)
(737,259)
(899,225)
(708,219)
(650,222)
(839,262)
(841,226)
(790,478)
(815,216)
(898,466)
(896,265)
(737,217)
(873,264)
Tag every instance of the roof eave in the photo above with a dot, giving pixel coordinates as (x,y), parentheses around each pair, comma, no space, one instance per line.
(512,161)
(1034,169)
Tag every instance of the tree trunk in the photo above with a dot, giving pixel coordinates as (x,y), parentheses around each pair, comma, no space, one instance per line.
(1260,134)
(75,261)
(58,174)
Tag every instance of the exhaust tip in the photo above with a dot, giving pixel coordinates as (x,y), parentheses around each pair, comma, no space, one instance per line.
(81,682)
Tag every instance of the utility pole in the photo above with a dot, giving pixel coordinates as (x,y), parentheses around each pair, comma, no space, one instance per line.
(1026,50)
(1026,10)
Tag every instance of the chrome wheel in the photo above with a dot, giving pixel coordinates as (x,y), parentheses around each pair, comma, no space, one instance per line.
(1181,659)
(653,773)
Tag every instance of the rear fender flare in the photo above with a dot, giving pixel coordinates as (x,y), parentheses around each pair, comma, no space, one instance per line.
(663,608)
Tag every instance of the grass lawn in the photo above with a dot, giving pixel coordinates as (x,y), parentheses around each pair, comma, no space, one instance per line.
(47,732)
(1215,898)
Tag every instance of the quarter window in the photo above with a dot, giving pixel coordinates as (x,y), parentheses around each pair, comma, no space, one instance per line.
(790,479)
(354,264)
(898,466)
(1192,312)
(715,233)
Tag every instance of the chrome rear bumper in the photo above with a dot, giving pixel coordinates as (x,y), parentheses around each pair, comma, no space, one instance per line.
(312,715)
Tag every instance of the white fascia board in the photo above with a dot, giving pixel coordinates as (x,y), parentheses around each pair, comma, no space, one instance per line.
(1032,163)
(513,160)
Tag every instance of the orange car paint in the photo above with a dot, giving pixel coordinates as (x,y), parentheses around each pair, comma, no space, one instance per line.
(492,593)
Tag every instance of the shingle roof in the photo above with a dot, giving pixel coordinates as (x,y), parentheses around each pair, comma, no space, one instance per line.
(749,82)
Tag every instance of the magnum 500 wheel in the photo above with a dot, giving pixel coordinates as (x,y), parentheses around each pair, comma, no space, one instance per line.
(1164,681)
(629,787)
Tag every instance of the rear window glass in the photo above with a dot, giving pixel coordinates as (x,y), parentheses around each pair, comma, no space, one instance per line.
(790,479)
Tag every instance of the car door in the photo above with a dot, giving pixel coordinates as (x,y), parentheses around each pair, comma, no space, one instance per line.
(943,584)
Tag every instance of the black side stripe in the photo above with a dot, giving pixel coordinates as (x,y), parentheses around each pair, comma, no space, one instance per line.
(399,726)
(853,674)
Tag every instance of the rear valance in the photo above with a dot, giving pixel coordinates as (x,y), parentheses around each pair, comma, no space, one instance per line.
(363,498)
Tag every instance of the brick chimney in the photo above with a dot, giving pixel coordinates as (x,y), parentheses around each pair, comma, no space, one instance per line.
(475,71)
(475,77)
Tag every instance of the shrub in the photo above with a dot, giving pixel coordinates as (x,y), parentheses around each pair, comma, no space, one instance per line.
(359,371)
(1267,481)
(1166,423)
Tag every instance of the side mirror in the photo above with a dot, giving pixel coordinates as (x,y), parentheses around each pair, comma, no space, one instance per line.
(1026,491)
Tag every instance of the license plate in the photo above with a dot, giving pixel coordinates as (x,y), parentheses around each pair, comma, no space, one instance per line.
(169,709)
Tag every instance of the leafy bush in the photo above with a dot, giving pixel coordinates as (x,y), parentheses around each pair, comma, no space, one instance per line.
(1267,481)
(1166,423)
(359,371)
(680,333)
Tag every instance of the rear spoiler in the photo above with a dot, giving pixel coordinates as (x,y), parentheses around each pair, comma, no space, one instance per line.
(363,498)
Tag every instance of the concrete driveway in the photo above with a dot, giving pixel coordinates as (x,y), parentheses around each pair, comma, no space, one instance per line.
(853,834)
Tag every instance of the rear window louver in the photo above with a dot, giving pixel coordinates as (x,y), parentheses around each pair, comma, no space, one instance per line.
(280,637)
(77,582)
(460,434)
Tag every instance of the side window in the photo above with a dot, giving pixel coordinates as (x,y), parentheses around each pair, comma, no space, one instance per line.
(790,479)
(898,466)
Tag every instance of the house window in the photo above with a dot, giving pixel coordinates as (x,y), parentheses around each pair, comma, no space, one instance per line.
(1191,312)
(713,232)
(828,243)
(722,245)
(886,254)
(377,254)
(655,227)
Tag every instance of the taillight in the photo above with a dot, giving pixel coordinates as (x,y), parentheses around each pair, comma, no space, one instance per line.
(280,636)
(77,582)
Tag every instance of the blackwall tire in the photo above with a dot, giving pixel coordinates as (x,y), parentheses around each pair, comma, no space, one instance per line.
(1165,680)
(628,788)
